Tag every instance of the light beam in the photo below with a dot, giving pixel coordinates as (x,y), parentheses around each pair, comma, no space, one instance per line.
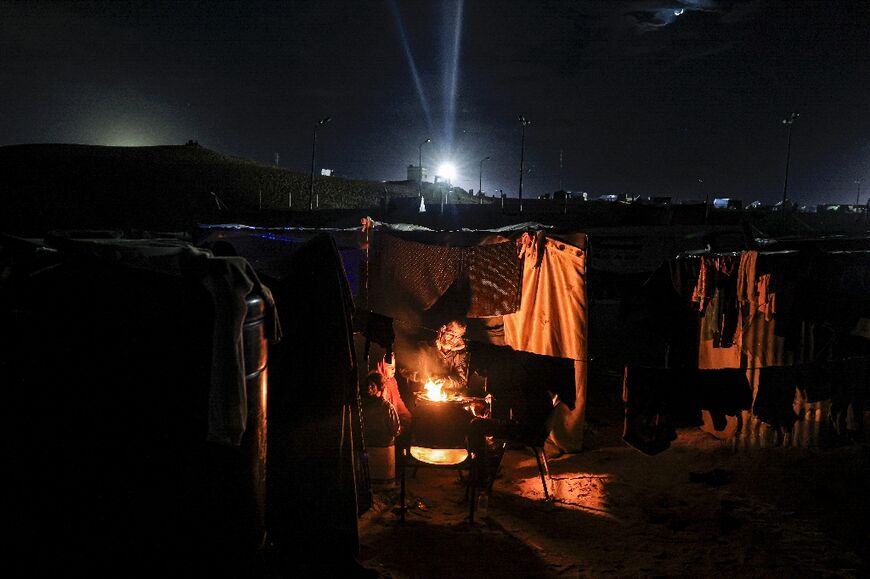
(409,56)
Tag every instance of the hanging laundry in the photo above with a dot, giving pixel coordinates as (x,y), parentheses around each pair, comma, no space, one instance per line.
(774,401)
(722,392)
(649,396)
(716,296)
(849,388)
(657,400)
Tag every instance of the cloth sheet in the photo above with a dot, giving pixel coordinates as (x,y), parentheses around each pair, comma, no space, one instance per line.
(408,276)
(229,281)
(552,318)
(552,321)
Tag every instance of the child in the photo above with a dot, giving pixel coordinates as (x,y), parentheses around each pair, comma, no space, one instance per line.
(380,428)
(387,369)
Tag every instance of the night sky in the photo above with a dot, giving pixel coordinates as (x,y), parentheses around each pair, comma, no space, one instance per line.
(682,98)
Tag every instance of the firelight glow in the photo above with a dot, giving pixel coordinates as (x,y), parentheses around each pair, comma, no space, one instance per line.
(440,456)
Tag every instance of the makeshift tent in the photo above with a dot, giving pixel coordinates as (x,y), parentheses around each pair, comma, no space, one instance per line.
(526,292)
(314,477)
(420,278)
(135,379)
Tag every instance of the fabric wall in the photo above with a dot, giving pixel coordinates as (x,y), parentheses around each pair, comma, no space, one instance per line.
(313,419)
(408,277)
(553,321)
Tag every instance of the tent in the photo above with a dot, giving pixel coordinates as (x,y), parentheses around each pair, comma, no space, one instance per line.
(135,373)
(521,288)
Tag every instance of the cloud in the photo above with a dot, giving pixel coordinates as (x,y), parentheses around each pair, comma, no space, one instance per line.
(651,15)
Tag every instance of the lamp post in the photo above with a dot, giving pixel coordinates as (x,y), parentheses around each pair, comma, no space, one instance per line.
(525,123)
(788,122)
(858,195)
(420,167)
(319,124)
(480,179)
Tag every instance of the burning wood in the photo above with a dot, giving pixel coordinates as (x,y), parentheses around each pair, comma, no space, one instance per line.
(434,390)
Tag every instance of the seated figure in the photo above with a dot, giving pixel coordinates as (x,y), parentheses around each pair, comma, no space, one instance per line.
(447,359)
(380,427)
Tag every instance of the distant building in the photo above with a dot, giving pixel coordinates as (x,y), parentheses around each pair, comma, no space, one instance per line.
(418,174)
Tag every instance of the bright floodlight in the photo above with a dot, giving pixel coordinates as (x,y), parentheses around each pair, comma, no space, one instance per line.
(447,171)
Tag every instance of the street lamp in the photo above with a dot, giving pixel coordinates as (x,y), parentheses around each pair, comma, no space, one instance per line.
(319,124)
(480,179)
(420,167)
(858,195)
(525,123)
(788,122)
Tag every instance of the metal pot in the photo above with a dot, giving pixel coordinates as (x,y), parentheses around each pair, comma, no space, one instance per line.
(444,423)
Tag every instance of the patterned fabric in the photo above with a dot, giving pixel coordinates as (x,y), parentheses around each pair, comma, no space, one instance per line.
(410,276)
(494,277)
(421,272)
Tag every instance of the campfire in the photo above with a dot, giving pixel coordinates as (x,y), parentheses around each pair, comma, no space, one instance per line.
(441,423)
(435,391)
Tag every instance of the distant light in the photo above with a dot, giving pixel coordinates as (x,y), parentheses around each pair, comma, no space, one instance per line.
(679,12)
(447,171)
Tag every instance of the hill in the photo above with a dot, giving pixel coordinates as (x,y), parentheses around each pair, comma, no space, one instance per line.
(165,188)
(174,188)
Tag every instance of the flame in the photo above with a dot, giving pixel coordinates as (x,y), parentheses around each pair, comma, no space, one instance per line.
(434,390)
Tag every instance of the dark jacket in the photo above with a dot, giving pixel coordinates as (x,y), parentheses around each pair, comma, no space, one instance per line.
(381,421)
(454,365)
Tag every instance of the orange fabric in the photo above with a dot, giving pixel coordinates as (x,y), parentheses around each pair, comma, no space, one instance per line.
(552,318)
(553,321)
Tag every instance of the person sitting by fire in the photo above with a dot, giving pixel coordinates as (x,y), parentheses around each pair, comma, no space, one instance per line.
(448,359)
(387,369)
(382,423)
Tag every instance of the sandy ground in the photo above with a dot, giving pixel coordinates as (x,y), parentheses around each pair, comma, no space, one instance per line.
(698,509)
